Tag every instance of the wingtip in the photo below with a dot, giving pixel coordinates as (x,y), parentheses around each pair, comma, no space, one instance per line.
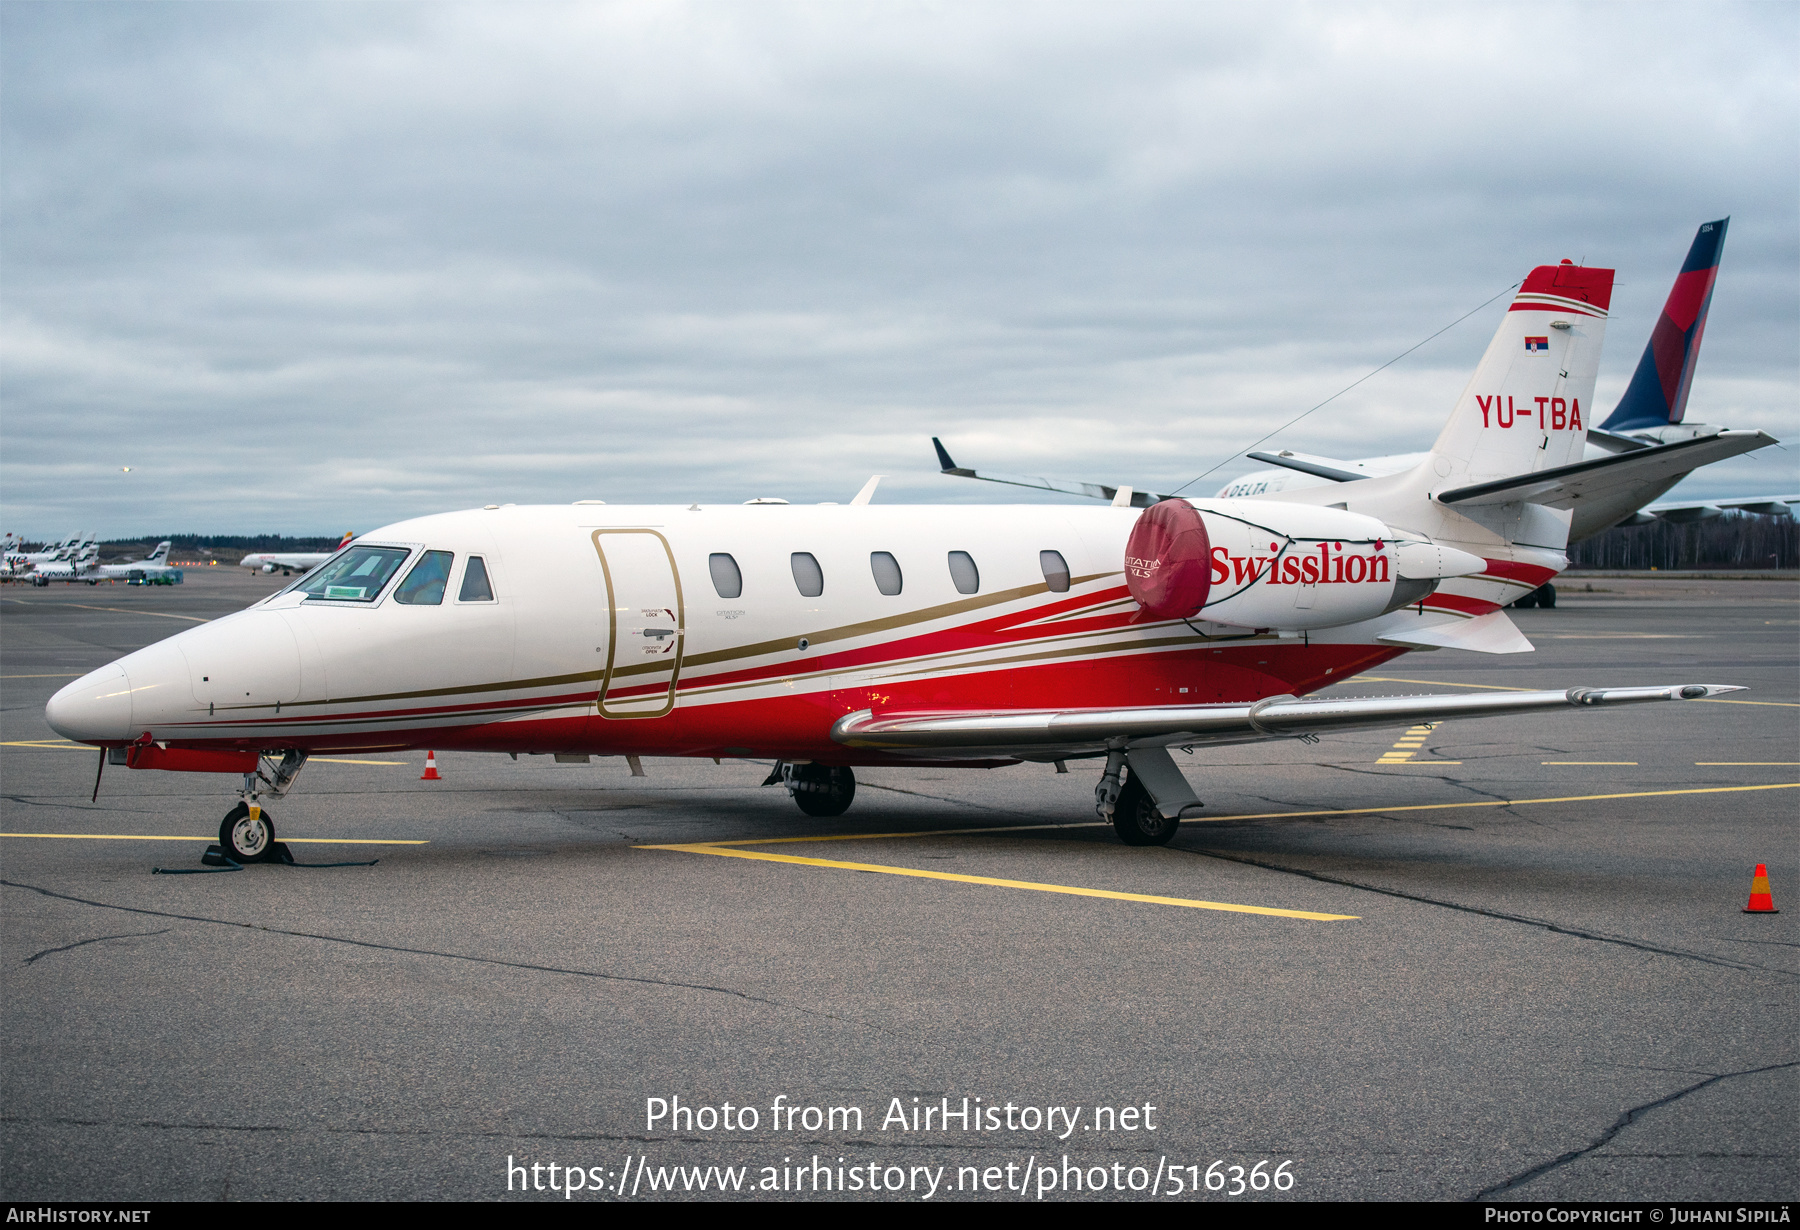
(1706,691)
(943,455)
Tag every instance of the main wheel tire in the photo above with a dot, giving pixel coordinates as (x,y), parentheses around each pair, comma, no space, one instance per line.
(1527,602)
(1136,819)
(244,842)
(824,790)
(1546,597)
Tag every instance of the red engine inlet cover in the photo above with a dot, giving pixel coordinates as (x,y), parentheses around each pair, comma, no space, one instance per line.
(1168,560)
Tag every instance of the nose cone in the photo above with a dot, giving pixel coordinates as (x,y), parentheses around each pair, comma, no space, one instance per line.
(96,708)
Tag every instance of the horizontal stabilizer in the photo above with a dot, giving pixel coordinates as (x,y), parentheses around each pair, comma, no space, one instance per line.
(1564,486)
(1318,467)
(1048,733)
(1490,633)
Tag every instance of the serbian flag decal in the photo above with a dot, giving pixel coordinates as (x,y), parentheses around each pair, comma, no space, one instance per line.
(1535,344)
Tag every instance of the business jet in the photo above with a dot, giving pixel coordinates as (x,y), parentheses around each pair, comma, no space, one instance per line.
(1650,416)
(289,562)
(830,637)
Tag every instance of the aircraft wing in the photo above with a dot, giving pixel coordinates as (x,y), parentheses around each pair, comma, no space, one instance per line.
(1044,734)
(1563,486)
(1705,510)
(1095,491)
(1319,467)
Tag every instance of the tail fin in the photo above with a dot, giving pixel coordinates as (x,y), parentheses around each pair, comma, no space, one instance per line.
(1527,406)
(346,540)
(161,554)
(1658,392)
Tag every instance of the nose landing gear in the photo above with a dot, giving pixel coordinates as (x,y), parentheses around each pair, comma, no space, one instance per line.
(247,834)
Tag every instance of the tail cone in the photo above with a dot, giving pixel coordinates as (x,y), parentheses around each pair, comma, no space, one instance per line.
(431,774)
(1760,900)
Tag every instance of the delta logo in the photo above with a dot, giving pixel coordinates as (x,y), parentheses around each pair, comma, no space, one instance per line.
(1329,566)
(1536,345)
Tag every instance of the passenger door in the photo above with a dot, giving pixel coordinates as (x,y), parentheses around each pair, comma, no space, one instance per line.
(646,623)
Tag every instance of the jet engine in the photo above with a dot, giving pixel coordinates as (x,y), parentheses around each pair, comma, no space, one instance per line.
(1271,565)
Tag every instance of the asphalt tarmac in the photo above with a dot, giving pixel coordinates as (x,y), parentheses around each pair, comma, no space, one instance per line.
(1542,987)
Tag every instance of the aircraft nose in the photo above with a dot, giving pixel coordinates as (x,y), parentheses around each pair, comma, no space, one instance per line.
(96,708)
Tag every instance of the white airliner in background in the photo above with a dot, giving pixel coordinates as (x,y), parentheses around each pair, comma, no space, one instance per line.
(80,567)
(289,562)
(1648,421)
(153,568)
(829,637)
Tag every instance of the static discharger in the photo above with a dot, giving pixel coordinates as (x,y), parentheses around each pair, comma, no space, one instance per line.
(1760,900)
(430,774)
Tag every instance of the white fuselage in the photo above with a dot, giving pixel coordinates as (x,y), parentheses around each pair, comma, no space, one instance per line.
(608,630)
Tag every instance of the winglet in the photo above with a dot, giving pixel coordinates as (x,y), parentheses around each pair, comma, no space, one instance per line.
(868,491)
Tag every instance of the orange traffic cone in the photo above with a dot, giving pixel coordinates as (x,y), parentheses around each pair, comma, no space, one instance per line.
(1760,900)
(430,774)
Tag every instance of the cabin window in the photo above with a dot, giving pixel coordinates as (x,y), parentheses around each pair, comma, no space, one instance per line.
(964,572)
(475,585)
(887,572)
(1056,571)
(727,581)
(424,585)
(808,577)
(355,575)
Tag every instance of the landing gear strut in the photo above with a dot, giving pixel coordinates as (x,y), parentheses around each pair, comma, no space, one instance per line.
(818,789)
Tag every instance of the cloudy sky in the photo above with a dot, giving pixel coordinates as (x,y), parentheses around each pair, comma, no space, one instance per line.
(307,267)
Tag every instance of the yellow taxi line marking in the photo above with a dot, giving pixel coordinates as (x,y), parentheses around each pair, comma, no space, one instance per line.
(1494,687)
(310,841)
(1570,798)
(1419,764)
(992,882)
(125,610)
(996,828)
(83,747)
(1587,762)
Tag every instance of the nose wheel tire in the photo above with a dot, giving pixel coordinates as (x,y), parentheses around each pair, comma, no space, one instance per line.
(1136,819)
(823,790)
(244,840)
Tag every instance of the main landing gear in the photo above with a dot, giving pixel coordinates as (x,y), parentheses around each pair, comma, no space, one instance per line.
(1143,794)
(817,789)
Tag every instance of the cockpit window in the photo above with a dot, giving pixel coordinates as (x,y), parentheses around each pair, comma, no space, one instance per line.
(424,585)
(475,586)
(355,575)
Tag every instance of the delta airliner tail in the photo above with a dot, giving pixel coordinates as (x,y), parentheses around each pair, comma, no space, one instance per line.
(1658,393)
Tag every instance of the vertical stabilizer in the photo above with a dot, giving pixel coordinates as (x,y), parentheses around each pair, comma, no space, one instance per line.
(1530,401)
(1658,392)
